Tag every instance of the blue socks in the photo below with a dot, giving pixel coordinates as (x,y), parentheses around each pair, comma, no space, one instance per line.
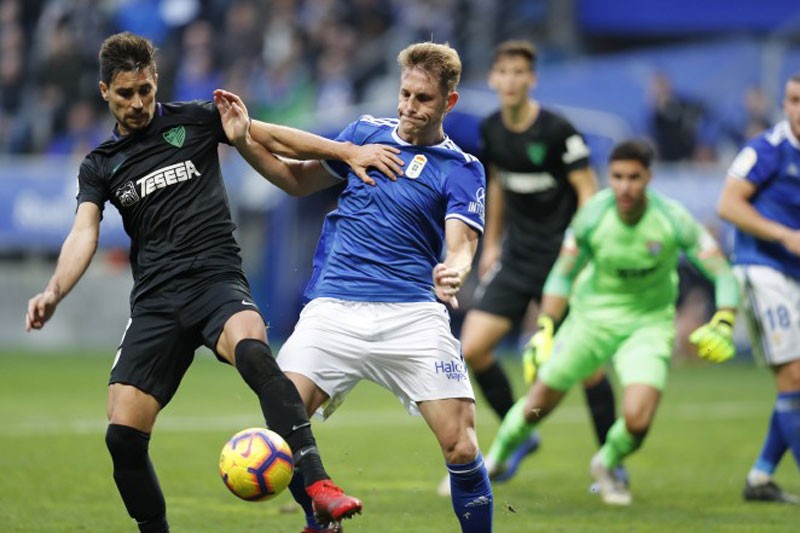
(783,433)
(788,410)
(471,491)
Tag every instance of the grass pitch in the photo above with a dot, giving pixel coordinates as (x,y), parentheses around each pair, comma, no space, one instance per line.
(55,473)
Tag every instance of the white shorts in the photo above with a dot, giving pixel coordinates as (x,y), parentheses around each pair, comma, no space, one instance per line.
(407,348)
(772,309)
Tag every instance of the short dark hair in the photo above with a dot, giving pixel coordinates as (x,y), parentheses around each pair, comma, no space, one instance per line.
(125,52)
(516,47)
(795,77)
(633,150)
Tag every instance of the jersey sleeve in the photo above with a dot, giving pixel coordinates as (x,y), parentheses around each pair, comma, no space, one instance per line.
(340,169)
(757,162)
(575,154)
(210,115)
(465,191)
(90,184)
(703,252)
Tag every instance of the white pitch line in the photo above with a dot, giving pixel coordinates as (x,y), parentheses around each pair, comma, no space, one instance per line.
(345,418)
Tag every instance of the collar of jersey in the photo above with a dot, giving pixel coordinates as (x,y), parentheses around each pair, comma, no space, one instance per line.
(402,142)
(787,129)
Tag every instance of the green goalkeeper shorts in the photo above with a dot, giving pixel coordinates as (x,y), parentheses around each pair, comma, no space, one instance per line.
(641,355)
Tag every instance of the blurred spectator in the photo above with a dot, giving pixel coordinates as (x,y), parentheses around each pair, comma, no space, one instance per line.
(675,121)
(197,74)
(83,131)
(58,76)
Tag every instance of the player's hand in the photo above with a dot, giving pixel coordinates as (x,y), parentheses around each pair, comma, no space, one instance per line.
(379,156)
(446,283)
(715,340)
(791,241)
(40,308)
(234,115)
(538,349)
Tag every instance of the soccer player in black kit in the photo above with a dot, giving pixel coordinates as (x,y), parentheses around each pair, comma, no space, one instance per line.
(539,174)
(161,170)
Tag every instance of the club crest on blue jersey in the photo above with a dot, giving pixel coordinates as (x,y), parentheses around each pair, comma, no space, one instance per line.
(415,167)
(127,194)
(175,136)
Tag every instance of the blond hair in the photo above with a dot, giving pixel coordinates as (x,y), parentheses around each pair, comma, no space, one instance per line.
(438,60)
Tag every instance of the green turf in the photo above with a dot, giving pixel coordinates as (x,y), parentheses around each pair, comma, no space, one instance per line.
(55,473)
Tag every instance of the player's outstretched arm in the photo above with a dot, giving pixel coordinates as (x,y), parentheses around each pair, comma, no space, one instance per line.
(296,178)
(76,254)
(714,340)
(735,207)
(448,276)
(297,144)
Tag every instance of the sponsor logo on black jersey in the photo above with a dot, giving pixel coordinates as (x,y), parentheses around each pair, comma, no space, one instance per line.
(175,136)
(166,176)
(127,194)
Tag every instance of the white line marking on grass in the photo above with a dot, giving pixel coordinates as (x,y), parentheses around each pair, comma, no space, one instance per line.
(344,418)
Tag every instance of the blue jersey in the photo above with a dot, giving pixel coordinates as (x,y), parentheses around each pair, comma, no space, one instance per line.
(382,242)
(771,162)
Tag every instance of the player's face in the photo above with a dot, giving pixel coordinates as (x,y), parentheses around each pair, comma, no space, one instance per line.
(512,78)
(131,98)
(791,106)
(421,107)
(628,180)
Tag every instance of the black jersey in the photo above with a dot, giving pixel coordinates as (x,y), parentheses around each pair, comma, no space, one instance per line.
(532,167)
(167,184)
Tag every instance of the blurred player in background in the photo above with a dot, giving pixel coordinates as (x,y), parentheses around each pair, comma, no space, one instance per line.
(160,169)
(762,199)
(538,166)
(372,311)
(618,270)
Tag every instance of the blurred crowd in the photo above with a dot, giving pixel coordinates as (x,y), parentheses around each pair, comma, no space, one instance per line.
(289,59)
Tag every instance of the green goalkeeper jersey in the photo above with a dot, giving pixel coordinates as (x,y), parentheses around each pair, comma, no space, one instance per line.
(618,273)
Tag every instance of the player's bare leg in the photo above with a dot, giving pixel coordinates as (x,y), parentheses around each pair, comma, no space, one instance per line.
(453,424)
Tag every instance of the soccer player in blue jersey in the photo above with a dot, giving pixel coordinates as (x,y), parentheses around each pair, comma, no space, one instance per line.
(384,258)
(762,199)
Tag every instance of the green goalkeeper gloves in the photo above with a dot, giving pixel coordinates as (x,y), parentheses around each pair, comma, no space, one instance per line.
(715,340)
(538,349)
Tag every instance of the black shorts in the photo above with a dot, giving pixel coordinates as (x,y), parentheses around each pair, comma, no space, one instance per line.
(166,327)
(508,292)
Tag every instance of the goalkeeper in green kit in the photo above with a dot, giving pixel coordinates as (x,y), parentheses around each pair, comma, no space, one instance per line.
(617,271)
